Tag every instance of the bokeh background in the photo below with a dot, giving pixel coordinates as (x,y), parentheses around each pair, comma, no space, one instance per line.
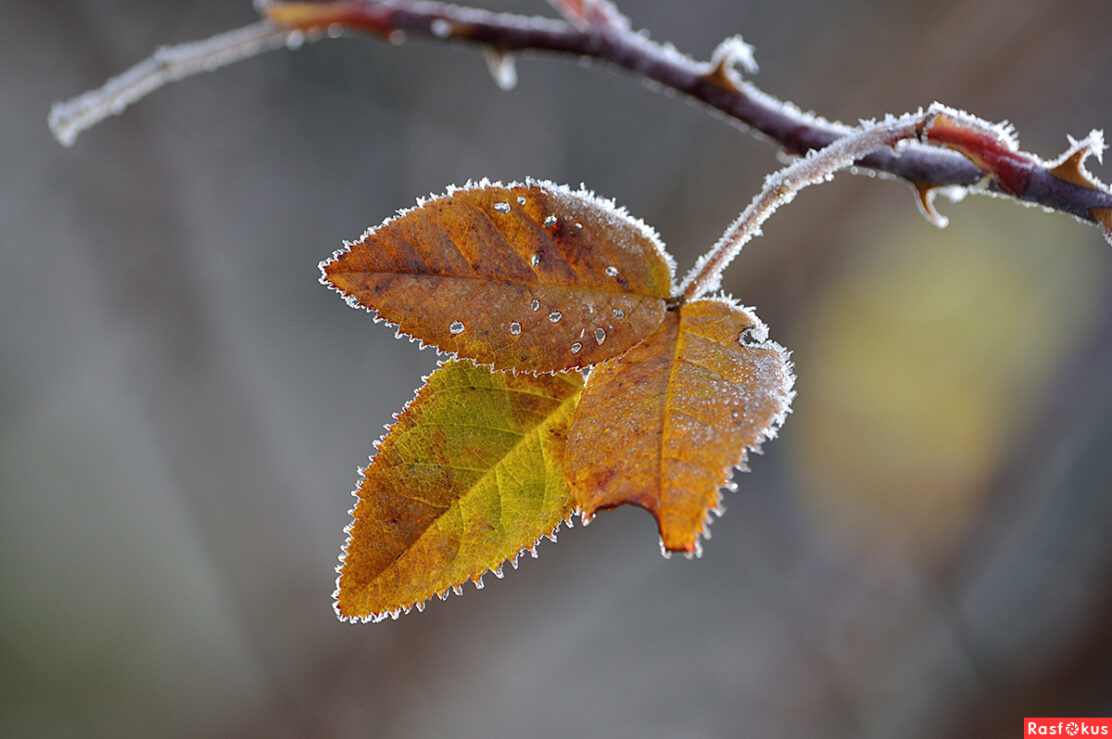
(925,551)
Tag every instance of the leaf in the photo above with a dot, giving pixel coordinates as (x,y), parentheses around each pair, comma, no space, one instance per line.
(527,277)
(469,476)
(663,425)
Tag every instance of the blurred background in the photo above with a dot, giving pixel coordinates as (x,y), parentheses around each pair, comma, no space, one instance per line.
(925,551)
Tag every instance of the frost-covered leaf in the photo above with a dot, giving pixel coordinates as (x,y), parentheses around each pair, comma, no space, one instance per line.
(469,476)
(663,425)
(528,277)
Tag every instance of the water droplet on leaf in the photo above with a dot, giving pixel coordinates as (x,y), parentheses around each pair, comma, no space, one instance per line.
(515,328)
(612,271)
(550,221)
(535,305)
(555,316)
(536,259)
(502,207)
(521,200)
(600,335)
(619,313)
(456,327)
(576,347)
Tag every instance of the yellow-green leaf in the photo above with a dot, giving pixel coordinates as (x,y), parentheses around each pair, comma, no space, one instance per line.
(469,476)
(526,277)
(663,425)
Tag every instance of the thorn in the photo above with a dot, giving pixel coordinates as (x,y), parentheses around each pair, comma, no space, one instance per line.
(926,204)
(723,77)
(725,59)
(502,69)
(1070,167)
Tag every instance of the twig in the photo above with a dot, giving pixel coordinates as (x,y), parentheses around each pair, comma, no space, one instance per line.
(781,187)
(167,64)
(1059,186)
(991,148)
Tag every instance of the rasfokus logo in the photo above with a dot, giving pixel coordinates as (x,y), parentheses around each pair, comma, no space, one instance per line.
(1067,727)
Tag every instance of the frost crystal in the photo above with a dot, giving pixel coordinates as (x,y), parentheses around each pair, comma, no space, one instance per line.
(441,28)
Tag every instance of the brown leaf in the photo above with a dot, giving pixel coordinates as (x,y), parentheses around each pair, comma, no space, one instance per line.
(527,277)
(469,476)
(663,425)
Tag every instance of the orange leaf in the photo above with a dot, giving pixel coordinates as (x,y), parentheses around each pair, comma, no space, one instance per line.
(528,277)
(469,476)
(663,425)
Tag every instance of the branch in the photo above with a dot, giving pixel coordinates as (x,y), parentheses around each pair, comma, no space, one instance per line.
(717,84)
(167,64)
(1063,185)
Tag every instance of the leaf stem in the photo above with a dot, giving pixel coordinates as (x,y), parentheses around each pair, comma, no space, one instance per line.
(781,188)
